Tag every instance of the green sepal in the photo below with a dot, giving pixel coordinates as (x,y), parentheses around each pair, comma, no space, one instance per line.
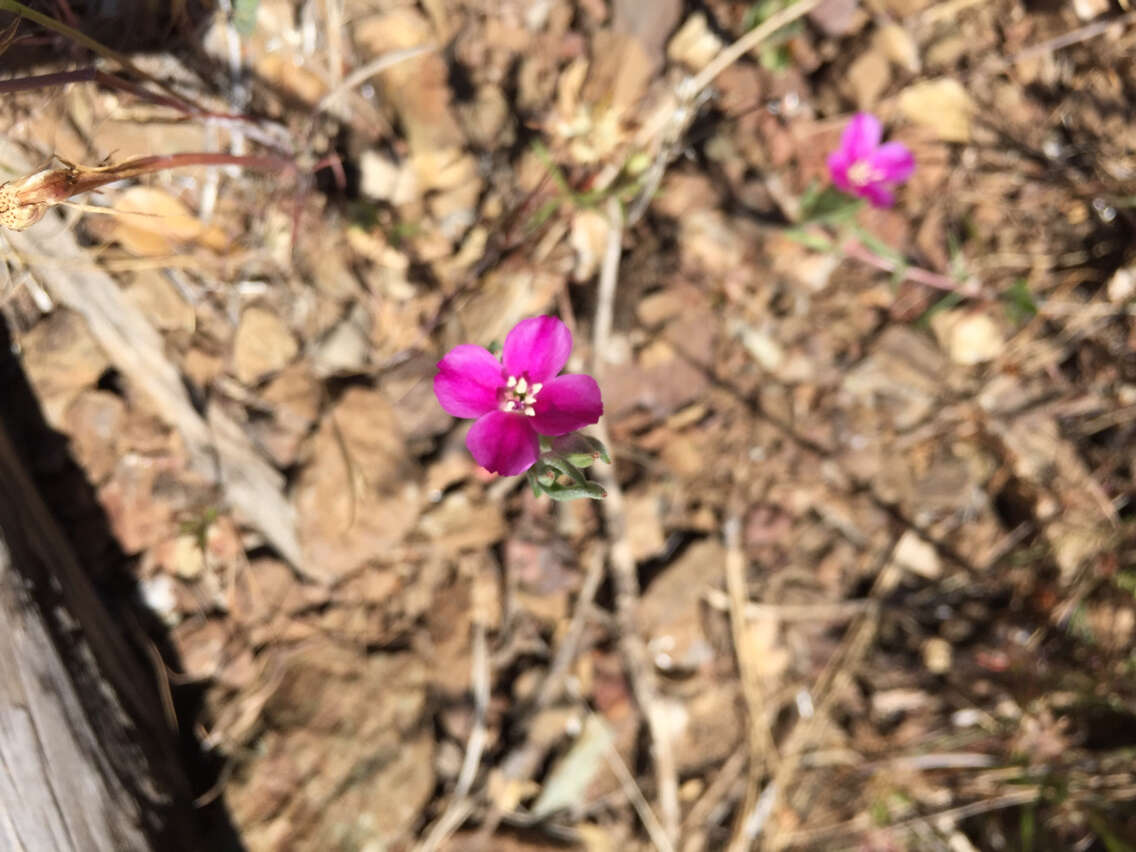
(588,490)
(562,465)
(580,450)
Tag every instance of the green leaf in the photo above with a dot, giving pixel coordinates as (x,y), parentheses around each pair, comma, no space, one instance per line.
(828,205)
(542,214)
(545,156)
(244,16)
(1027,829)
(944,304)
(1020,304)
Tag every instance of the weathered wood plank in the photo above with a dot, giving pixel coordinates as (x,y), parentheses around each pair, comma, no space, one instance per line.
(87,761)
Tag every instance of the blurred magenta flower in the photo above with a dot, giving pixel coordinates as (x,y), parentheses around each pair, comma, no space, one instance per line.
(862,166)
(519,397)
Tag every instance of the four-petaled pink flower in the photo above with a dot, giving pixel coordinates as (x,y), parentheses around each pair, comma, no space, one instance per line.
(519,397)
(862,166)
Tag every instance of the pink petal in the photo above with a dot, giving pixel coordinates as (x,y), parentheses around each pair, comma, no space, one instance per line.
(537,347)
(467,381)
(894,161)
(503,442)
(861,136)
(566,404)
(877,194)
(838,165)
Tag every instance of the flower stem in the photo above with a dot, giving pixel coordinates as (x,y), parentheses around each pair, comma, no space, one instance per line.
(856,250)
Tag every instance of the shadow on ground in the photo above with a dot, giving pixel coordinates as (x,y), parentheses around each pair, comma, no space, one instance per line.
(71,501)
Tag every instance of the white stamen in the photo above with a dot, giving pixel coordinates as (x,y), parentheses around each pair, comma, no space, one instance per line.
(521,396)
(861,173)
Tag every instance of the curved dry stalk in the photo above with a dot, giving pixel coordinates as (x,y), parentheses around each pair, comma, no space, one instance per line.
(748,42)
(461,803)
(99,49)
(639,668)
(759,736)
(662,131)
(24,201)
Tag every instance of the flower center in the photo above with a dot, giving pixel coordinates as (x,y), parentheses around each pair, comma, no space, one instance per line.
(520,395)
(861,173)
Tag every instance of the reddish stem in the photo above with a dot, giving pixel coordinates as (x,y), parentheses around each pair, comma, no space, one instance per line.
(858,251)
(161,162)
(89,75)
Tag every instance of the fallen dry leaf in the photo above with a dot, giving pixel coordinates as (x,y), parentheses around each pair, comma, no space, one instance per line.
(153,223)
(61,358)
(359,495)
(695,44)
(943,106)
(969,338)
(262,345)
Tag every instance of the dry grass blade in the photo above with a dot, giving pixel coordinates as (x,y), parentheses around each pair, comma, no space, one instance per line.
(1077,36)
(94,46)
(630,789)
(810,837)
(661,132)
(8,35)
(712,800)
(461,804)
(219,448)
(840,667)
(624,578)
(748,42)
(833,611)
(565,655)
(762,749)
(376,66)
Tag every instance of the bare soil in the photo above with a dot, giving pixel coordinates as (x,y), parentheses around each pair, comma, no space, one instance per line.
(876,500)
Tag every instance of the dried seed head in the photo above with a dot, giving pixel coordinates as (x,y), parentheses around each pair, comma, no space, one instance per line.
(15,215)
(24,201)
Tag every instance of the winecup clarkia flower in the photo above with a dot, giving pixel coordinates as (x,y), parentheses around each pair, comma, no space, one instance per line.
(862,166)
(518,398)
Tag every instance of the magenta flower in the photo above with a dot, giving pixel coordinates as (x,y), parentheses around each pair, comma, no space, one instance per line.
(518,398)
(862,166)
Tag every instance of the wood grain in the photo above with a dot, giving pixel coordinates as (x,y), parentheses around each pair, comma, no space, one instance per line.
(86,760)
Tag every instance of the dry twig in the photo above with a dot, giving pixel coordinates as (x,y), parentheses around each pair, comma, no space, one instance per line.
(762,749)
(662,131)
(624,577)
(838,670)
(366,72)
(461,804)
